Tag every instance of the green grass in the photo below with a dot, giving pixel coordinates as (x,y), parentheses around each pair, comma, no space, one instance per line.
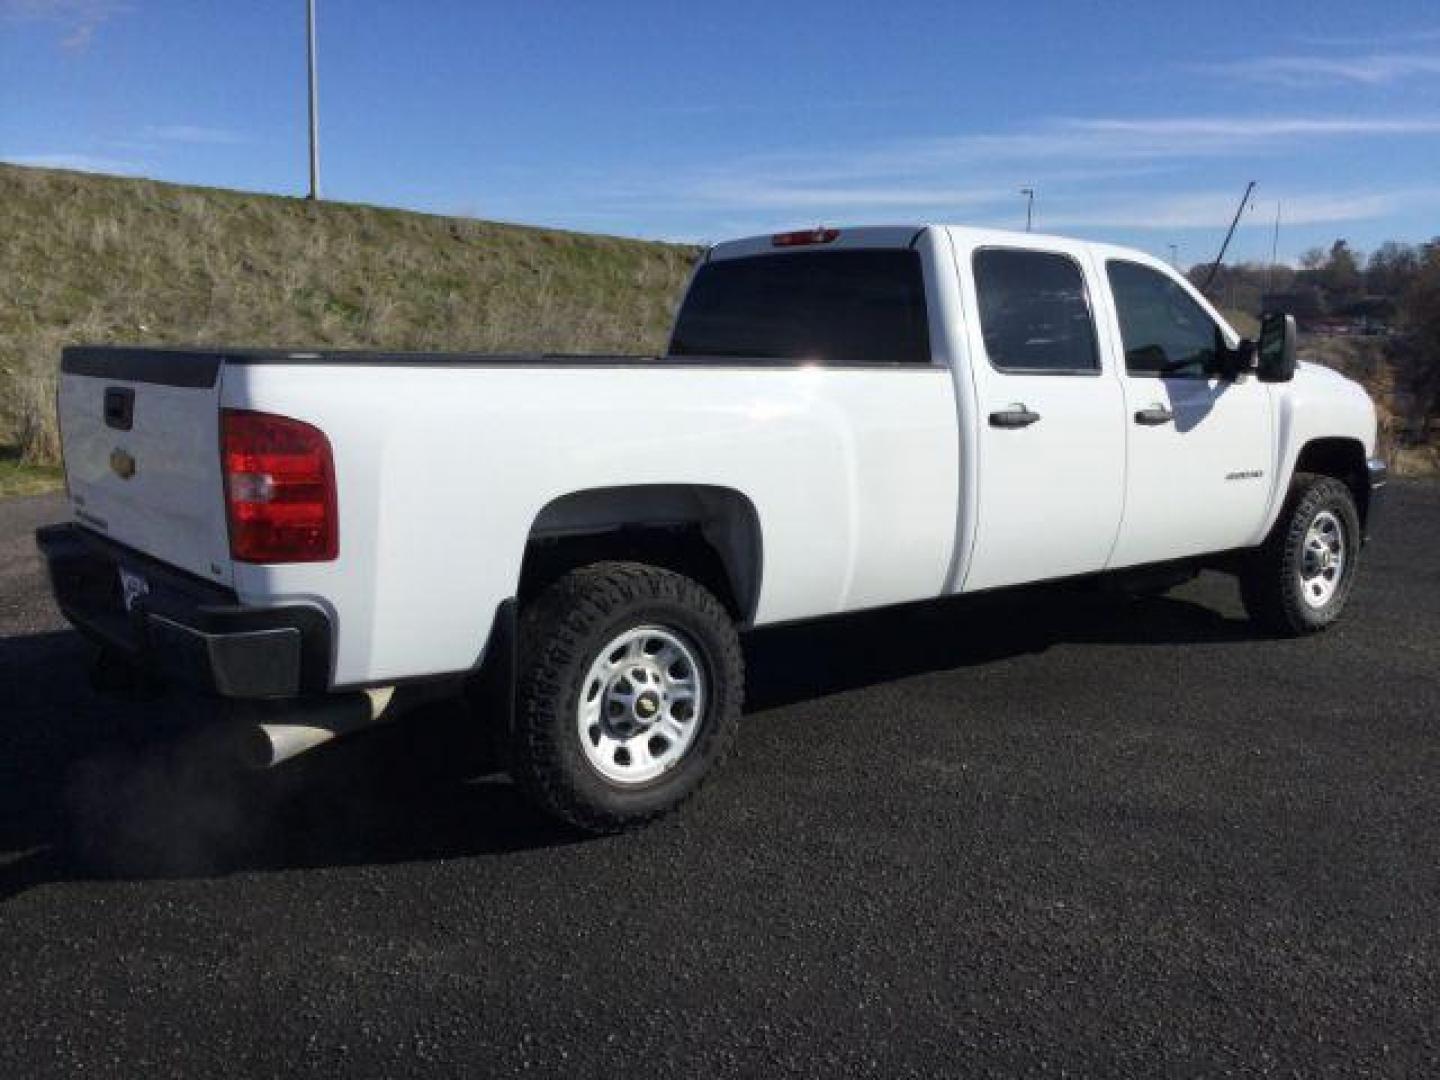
(101,259)
(18,478)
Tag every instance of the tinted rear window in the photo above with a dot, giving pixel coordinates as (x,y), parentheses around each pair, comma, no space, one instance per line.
(1034,312)
(835,307)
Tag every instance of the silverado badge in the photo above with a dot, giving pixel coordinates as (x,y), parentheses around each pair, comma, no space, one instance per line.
(122,464)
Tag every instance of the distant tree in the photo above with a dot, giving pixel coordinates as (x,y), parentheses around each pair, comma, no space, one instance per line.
(1336,274)
(1391,269)
(1420,312)
(1421,303)
(1242,286)
(1340,275)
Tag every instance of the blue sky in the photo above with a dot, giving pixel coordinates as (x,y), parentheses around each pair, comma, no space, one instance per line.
(1138,123)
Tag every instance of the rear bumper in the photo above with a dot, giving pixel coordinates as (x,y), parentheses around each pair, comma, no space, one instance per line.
(185,629)
(1377,474)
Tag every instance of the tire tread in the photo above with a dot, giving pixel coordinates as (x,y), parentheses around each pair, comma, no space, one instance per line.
(1268,573)
(557,631)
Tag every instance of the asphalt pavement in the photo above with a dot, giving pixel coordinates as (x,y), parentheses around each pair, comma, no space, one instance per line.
(1038,833)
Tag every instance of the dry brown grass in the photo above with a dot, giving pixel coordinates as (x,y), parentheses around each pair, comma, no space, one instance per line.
(1407,437)
(99,259)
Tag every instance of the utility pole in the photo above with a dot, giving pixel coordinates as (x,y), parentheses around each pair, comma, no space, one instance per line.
(314,102)
(1174,257)
(1029,194)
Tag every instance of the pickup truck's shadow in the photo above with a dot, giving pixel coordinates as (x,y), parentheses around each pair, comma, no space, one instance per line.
(92,787)
(95,786)
(803,661)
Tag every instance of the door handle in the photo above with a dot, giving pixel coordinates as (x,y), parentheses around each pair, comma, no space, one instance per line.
(1155,415)
(119,407)
(1016,416)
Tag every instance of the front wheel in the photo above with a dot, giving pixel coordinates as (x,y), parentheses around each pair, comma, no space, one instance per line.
(628,694)
(1299,580)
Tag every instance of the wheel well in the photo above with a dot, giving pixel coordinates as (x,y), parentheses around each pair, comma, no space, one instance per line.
(1344,459)
(710,534)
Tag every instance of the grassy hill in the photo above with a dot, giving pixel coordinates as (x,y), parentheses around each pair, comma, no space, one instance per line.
(102,259)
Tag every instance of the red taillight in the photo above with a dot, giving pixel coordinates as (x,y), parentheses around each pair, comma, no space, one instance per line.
(804,236)
(279,489)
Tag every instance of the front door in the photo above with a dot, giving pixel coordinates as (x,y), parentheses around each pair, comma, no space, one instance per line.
(1051,416)
(1199,447)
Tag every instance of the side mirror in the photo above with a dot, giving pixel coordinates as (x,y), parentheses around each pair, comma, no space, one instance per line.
(1276,359)
(1228,363)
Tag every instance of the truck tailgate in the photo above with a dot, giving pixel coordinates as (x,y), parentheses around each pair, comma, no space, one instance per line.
(140,429)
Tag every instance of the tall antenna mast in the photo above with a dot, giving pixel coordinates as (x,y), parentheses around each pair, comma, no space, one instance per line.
(1215,266)
(1274,249)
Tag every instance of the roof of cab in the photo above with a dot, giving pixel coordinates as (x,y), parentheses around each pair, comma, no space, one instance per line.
(900,236)
(871,236)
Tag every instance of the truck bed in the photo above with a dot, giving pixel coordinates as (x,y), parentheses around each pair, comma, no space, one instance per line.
(198,365)
(447,463)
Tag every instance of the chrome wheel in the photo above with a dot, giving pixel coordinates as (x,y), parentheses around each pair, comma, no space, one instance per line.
(1322,560)
(641,705)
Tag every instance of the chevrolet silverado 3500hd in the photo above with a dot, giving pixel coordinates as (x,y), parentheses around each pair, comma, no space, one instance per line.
(844,420)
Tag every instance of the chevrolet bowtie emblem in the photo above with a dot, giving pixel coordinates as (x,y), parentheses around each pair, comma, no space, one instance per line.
(122,464)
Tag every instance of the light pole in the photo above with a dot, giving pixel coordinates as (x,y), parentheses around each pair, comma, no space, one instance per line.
(314,102)
(1174,256)
(1029,194)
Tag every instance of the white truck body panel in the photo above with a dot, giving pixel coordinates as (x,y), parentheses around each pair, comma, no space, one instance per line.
(1317,404)
(1201,483)
(173,506)
(869,484)
(1048,495)
(852,474)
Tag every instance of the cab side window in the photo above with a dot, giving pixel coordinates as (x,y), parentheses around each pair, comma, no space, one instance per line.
(1035,313)
(1165,332)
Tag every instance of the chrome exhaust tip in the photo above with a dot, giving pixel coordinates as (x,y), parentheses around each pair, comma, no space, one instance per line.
(302,727)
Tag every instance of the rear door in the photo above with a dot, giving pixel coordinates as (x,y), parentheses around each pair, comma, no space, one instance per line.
(140,429)
(1199,447)
(1051,438)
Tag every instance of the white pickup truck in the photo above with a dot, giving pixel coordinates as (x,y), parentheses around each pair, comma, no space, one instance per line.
(844,420)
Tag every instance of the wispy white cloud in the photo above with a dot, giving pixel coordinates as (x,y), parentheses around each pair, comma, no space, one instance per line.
(1063,150)
(77,162)
(192,133)
(1203,210)
(77,21)
(789,196)
(1116,172)
(144,146)
(1247,128)
(1376,69)
(1074,153)
(1372,40)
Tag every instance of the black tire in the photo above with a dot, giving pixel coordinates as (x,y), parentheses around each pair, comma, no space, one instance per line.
(561,634)
(1270,577)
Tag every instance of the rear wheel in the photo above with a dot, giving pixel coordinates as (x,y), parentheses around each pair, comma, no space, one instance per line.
(1299,580)
(628,694)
